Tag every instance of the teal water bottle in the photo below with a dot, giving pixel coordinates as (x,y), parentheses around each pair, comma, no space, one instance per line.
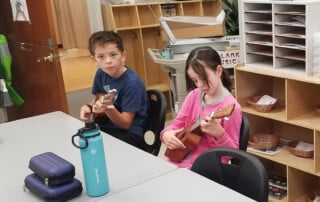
(93,159)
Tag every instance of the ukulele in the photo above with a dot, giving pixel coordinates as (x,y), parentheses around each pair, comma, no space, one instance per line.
(191,136)
(101,118)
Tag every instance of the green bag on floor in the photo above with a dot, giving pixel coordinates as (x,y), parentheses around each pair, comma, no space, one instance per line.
(5,70)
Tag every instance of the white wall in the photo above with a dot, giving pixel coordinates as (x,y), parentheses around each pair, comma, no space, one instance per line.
(95,15)
(3,116)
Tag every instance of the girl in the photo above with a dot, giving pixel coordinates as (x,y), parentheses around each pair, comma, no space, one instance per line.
(209,89)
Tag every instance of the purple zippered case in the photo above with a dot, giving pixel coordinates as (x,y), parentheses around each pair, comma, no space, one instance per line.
(53,169)
(54,193)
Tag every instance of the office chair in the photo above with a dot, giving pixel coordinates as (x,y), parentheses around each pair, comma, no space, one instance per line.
(244,133)
(248,176)
(157,109)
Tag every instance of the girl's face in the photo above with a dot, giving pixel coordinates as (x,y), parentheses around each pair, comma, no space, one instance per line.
(213,78)
(110,59)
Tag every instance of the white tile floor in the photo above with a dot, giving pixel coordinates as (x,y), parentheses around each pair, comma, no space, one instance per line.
(161,152)
(149,138)
(3,115)
(163,147)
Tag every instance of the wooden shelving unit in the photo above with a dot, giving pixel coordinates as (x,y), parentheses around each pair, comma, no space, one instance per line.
(138,25)
(293,118)
(277,39)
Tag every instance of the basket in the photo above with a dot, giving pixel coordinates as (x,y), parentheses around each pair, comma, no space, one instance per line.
(260,108)
(292,148)
(263,141)
(312,195)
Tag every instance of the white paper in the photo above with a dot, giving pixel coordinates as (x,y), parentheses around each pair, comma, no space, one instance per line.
(266,100)
(303,146)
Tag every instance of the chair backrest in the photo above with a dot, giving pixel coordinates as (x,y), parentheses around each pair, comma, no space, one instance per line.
(247,177)
(157,111)
(244,133)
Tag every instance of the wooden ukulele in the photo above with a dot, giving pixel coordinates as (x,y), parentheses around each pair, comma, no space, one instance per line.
(191,136)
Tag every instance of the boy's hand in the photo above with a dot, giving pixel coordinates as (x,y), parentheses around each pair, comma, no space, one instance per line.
(109,98)
(85,112)
(104,102)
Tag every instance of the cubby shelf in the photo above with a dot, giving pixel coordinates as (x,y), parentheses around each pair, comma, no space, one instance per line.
(276,45)
(277,34)
(293,118)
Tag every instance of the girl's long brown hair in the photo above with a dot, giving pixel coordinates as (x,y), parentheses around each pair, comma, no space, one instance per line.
(212,59)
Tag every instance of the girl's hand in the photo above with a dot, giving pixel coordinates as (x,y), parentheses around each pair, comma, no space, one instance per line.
(212,126)
(171,141)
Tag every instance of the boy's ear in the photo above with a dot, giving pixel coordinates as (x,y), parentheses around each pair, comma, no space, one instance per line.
(94,60)
(124,56)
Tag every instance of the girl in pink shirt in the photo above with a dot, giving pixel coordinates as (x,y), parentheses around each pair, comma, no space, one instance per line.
(209,89)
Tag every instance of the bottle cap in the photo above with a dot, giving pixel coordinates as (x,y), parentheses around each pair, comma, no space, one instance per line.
(90,125)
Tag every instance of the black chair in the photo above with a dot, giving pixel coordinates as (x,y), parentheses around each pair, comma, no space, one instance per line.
(247,177)
(157,111)
(244,133)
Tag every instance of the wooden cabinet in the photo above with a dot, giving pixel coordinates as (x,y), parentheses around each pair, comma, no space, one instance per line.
(277,50)
(293,118)
(139,28)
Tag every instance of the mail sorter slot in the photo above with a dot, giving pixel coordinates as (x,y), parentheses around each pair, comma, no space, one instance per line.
(126,17)
(192,8)
(146,15)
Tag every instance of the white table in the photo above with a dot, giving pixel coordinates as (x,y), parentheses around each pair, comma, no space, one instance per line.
(22,139)
(179,185)
(134,175)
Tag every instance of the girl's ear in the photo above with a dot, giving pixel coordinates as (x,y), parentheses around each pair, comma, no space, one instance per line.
(219,70)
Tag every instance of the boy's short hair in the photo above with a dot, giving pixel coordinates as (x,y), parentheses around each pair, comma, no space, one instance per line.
(103,37)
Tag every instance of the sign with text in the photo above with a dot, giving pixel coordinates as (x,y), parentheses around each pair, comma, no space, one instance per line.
(229,58)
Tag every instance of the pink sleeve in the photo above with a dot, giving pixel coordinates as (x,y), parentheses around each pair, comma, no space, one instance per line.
(188,113)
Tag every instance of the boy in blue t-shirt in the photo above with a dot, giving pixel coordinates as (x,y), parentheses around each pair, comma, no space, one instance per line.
(125,108)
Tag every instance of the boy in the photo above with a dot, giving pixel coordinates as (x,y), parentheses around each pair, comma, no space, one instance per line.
(126,107)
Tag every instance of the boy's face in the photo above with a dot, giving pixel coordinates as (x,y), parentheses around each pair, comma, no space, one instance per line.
(110,59)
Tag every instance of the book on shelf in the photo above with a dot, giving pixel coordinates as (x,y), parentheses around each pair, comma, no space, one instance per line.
(277,185)
(276,192)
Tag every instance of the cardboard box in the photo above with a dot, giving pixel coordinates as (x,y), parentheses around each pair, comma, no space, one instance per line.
(184,27)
